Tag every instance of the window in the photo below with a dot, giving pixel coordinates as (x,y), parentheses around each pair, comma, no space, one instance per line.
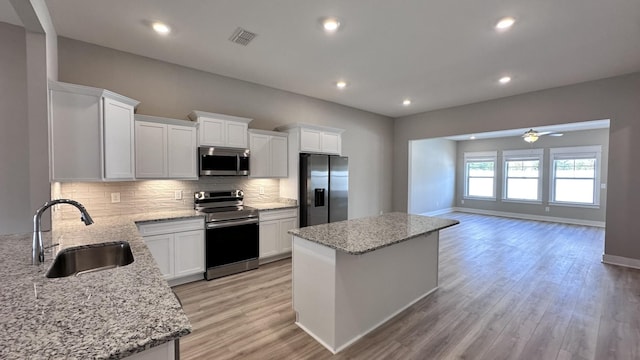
(522,175)
(480,172)
(575,175)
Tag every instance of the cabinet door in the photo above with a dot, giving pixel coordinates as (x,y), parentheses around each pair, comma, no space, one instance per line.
(189,253)
(269,238)
(310,140)
(182,152)
(331,143)
(75,137)
(284,237)
(279,159)
(119,157)
(151,150)
(260,155)
(164,351)
(236,134)
(212,132)
(161,247)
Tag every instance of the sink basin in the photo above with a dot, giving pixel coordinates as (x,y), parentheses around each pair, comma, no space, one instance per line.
(89,258)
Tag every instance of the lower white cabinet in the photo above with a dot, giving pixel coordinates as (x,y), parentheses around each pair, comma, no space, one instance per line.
(166,351)
(177,247)
(275,242)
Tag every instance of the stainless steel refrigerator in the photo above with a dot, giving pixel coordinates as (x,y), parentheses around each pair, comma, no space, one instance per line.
(324,189)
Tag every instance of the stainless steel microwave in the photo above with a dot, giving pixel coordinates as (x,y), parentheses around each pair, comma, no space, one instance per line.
(223,161)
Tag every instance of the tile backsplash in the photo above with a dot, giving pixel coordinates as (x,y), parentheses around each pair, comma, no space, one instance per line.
(155,195)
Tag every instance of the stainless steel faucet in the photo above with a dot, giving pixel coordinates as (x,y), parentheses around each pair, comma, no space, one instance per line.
(38,248)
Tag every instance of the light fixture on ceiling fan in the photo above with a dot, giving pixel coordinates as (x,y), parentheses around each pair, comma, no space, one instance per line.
(532,136)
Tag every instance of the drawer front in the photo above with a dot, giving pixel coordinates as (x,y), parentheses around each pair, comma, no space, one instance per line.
(278,214)
(170,226)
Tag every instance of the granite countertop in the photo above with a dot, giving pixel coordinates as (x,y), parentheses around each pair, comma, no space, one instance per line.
(272,206)
(106,314)
(363,235)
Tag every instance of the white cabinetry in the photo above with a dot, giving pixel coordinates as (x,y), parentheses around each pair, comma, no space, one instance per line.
(221,130)
(161,247)
(315,138)
(320,141)
(268,154)
(275,242)
(177,247)
(165,148)
(91,134)
(166,351)
(304,138)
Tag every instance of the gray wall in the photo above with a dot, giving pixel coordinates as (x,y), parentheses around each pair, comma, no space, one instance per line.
(614,98)
(173,91)
(432,175)
(15,212)
(574,138)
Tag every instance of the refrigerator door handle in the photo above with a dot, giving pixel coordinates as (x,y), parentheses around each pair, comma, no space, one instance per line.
(319,197)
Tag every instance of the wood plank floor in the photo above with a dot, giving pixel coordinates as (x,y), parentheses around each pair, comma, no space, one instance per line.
(509,289)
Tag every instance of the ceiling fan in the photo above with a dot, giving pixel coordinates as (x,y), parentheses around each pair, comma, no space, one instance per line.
(532,136)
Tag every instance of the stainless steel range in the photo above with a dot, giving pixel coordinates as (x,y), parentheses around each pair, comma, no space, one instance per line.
(232,237)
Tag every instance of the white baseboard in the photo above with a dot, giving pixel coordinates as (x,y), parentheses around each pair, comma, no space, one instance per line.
(273,258)
(532,217)
(186,279)
(621,261)
(438,212)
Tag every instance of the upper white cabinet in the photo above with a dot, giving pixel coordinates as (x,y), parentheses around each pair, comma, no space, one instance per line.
(304,138)
(268,154)
(165,148)
(315,138)
(221,130)
(91,134)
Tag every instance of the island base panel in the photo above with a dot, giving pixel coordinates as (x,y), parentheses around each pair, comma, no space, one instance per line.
(339,297)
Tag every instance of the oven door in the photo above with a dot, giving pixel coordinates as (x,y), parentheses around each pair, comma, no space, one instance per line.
(232,241)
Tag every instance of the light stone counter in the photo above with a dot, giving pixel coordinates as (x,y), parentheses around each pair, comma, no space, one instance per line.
(106,314)
(359,236)
(272,206)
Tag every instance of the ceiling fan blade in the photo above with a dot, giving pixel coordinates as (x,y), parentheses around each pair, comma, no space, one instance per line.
(556,134)
(544,133)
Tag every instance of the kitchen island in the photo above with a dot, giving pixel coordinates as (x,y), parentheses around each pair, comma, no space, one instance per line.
(108,314)
(351,276)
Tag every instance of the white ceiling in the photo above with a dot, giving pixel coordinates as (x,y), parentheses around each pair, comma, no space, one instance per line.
(439,53)
(8,14)
(557,129)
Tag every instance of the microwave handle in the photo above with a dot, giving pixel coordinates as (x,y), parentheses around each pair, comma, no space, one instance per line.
(238,164)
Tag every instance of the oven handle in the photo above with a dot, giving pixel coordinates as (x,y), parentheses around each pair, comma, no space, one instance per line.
(218,225)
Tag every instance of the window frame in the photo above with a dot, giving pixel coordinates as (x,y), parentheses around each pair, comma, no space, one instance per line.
(522,155)
(576,152)
(480,156)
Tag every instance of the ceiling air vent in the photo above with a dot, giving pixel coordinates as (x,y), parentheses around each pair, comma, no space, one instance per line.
(242,36)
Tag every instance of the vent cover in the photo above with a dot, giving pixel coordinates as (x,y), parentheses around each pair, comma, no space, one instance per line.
(242,36)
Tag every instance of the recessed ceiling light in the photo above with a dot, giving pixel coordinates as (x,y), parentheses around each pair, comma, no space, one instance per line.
(472,137)
(406,102)
(161,28)
(504,80)
(341,84)
(330,24)
(505,23)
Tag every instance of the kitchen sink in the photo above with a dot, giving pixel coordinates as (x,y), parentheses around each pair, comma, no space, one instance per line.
(89,258)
